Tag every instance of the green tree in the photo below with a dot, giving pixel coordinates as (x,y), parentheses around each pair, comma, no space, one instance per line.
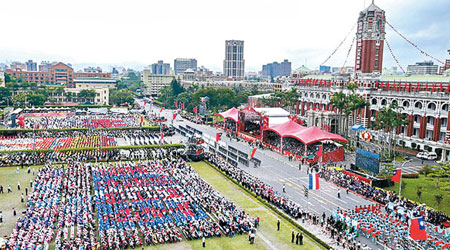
(120,96)
(5,94)
(20,98)
(36,99)
(176,87)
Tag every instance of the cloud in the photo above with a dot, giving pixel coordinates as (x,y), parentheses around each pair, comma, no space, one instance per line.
(105,32)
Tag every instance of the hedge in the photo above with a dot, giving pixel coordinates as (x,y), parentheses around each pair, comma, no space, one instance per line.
(158,102)
(276,210)
(411,176)
(3,130)
(176,145)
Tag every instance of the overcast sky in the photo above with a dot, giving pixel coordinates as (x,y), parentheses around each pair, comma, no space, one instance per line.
(136,33)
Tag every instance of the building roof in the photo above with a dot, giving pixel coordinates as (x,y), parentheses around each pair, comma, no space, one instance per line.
(319,77)
(96,80)
(302,69)
(415,78)
(272,112)
(372,7)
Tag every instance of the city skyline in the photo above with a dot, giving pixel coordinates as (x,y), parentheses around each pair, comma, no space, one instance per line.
(311,38)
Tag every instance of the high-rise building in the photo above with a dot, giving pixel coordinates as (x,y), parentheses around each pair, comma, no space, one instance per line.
(276,69)
(160,68)
(370,40)
(180,65)
(233,65)
(31,66)
(423,68)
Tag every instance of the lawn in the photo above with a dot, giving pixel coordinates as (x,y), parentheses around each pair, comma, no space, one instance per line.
(8,176)
(268,219)
(428,192)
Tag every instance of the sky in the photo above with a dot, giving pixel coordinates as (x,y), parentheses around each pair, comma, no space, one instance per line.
(136,33)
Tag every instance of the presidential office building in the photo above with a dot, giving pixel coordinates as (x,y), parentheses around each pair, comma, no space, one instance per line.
(424,99)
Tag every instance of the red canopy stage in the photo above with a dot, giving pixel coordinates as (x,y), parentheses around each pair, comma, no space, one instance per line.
(307,136)
(233,116)
(251,123)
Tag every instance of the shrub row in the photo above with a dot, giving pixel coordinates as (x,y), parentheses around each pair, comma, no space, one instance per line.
(276,210)
(411,176)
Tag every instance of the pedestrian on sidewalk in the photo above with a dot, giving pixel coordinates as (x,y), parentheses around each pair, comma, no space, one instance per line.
(293,236)
(301,239)
(284,188)
(18,185)
(278,225)
(297,238)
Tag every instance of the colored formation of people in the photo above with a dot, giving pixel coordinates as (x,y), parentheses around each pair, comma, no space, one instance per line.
(59,199)
(382,196)
(160,201)
(83,121)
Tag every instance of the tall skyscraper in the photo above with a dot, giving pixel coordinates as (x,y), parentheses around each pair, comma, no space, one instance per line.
(160,68)
(233,65)
(31,66)
(370,40)
(276,69)
(180,65)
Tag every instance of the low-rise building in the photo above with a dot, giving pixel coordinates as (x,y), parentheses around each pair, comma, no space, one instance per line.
(2,79)
(423,68)
(101,95)
(154,83)
(95,83)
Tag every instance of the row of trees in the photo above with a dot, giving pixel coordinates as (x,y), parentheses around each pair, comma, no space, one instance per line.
(288,99)
(219,98)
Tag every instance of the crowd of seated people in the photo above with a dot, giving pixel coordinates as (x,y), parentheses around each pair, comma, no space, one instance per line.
(60,200)
(382,196)
(252,127)
(149,203)
(389,227)
(31,158)
(83,121)
(56,142)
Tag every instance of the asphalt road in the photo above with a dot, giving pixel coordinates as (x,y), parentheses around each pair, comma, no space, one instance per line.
(277,170)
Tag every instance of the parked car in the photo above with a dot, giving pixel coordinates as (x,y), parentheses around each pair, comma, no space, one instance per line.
(427,156)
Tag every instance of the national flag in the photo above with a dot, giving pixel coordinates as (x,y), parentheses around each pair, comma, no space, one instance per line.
(145,103)
(397,175)
(194,110)
(162,135)
(218,136)
(314,181)
(319,151)
(176,104)
(161,110)
(252,153)
(200,151)
(174,115)
(200,141)
(142,119)
(417,229)
(182,105)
